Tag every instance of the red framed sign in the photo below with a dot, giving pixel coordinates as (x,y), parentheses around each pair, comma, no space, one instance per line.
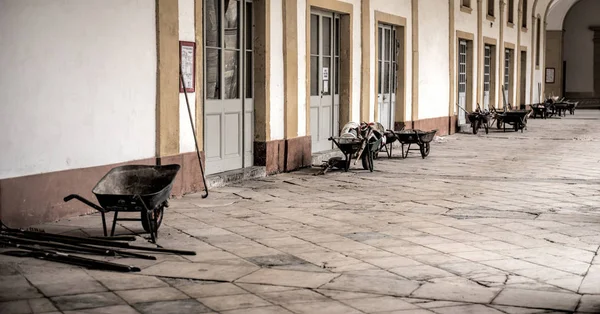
(187,56)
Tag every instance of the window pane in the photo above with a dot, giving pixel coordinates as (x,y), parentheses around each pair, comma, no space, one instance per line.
(326,36)
(327,83)
(213,73)
(337,37)
(231,75)
(314,34)
(387,45)
(314,76)
(386,78)
(337,76)
(380,81)
(380,42)
(232,29)
(249,26)
(393,47)
(249,76)
(211,8)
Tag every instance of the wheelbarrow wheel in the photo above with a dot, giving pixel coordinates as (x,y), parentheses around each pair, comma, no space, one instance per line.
(475,126)
(425,150)
(155,219)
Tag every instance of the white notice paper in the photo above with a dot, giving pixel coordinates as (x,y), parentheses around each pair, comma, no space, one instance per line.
(325,87)
(325,74)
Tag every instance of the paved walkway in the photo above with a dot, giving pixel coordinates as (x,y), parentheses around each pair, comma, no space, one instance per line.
(498,223)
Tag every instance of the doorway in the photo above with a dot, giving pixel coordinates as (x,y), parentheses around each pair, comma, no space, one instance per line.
(462,81)
(487,76)
(507,92)
(388,74)
(324,78)
(228,105)
(523,81)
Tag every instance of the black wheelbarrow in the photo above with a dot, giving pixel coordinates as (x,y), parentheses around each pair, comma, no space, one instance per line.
(418,137)
(134,188)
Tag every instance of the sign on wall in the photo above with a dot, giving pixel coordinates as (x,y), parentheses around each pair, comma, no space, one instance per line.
(549,75)
(187,53)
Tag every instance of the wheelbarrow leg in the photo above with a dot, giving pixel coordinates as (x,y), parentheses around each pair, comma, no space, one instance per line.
(104,224)
(114,224)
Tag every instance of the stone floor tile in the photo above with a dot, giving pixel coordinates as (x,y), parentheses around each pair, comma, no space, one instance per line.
(453,292)
(293,296)
(41,305)
(411,250)
(570,283)
(494,245)
(391,262)
(344,295)
(590,281)
(429,304)
(510,264)
(376,285)
(205,271)
(151,294)
(452,247)
(85,301)
(421,272)
(233,302)
(589,304)
(329,307)
(538,299)
(467,309)
(417,311)
(16,287)
(288,278)
(518,310)
(259,310)
(479,256)
(379,304)
(196,290)
(172,307)
(260,288)
(119,281)
(15,307)
(115,309)
(437,259)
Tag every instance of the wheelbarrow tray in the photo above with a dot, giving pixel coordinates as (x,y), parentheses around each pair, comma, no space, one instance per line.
(415,136)
(120,187)
(347,145)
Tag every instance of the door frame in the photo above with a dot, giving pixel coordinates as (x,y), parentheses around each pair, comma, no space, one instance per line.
(494,64)
(345,11)
(510,97)
(522,90)
(399,111)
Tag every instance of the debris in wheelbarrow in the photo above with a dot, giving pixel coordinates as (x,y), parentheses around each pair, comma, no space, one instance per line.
(418,137)
(134,188)
(357,141)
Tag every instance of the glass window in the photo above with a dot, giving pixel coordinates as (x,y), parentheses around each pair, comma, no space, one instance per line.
(314,34)
(232,30)
(213,73)
(314,76)
(231,74)
(326,36)
(211,8)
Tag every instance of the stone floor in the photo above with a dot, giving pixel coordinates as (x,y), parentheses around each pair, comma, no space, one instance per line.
(498,223)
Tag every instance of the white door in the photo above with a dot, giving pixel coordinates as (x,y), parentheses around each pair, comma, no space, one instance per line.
(229,109)
(324,88)
(386,95)
(487,60)
(462,82)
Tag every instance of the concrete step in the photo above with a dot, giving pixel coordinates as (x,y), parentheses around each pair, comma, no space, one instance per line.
(235,176)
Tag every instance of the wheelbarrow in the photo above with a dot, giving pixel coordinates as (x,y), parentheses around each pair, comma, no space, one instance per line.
(134,188)
(418,137)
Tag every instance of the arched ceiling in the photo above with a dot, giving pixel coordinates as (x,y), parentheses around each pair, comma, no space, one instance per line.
(556,12)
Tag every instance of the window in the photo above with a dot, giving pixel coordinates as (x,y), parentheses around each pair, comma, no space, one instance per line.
(490,5)
(524,14)
(465,3)
(511,11)
(537,45)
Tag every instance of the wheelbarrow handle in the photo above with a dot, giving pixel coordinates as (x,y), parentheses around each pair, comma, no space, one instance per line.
(85,201)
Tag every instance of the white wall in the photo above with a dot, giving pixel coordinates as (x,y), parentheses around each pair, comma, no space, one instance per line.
(579,46)
(187,33)
(301,19)
(400,8)
(434,81)
(78,84)
(277,74)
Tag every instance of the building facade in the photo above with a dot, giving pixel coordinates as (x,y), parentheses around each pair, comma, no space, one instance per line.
(86,86)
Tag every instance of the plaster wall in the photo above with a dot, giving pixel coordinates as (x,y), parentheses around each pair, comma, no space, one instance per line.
(579,46)
(433,59)
(85,100)
(187,33)
(276,75)
(557,13)
(400,8)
